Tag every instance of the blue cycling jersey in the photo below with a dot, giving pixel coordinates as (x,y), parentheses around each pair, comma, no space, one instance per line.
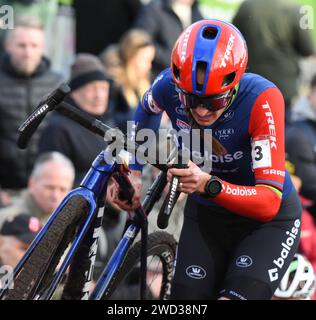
(236,130)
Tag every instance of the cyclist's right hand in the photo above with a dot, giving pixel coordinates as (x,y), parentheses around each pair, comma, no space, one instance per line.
(136,180)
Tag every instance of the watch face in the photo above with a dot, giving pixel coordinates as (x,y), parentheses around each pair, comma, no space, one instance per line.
(214,187)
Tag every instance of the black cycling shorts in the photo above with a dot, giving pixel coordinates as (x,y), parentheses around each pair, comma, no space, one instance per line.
(222,254)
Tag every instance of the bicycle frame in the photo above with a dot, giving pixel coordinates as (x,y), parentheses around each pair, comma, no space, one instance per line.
(93,188)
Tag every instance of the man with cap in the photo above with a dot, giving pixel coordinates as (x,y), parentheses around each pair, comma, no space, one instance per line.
(90,92)
(16,235)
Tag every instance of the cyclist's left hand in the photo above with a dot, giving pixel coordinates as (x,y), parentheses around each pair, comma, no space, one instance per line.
(192,179)
(111,194)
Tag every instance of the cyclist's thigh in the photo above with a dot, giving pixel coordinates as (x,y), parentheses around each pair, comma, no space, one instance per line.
(195,265)
(261,259)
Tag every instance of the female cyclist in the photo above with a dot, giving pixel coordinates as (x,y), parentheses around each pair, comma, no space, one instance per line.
(242,218)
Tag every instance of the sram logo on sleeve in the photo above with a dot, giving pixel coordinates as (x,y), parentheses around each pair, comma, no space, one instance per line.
(261,152)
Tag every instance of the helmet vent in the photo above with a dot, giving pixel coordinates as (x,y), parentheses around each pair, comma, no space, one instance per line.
(200,75)
(176,72)
(209,33)
(228,79)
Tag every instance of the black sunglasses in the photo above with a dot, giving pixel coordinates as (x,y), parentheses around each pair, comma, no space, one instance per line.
(211,102)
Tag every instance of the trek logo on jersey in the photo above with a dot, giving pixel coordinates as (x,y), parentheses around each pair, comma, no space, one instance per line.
(243,261)
(224,134)
(271,124)
(195,272)
(228,51)
(286,248)
(185,45)
(152,105)
(239,190)
(182,125)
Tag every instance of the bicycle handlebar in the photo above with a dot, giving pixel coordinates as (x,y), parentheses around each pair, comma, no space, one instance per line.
(55,102)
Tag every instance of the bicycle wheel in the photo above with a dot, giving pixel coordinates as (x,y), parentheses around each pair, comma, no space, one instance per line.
(160,263)
(38,270)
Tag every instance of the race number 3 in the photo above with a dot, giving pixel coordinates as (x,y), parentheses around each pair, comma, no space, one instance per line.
(261,153)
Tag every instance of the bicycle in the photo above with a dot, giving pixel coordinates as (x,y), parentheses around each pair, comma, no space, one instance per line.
(72,229)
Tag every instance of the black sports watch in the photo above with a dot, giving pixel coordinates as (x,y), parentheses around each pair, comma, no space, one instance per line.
(213,187)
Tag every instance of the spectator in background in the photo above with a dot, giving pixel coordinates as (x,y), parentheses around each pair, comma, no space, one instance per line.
(304,111)
(5,199)
(16,235)
(129,64)
(44,10)
(301,143)
(164,20)
(90,93)
(275,42)
(50,181)
(25,77)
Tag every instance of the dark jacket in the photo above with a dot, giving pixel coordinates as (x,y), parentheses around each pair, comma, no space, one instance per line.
(158,19)
(301,148)
(19,96)
(275,41)
(100,23)
(74,141)
(123,112)
(302,153)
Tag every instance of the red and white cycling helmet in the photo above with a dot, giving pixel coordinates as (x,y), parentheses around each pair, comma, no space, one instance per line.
(219,51)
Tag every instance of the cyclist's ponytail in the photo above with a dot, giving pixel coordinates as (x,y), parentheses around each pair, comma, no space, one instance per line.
(217,147)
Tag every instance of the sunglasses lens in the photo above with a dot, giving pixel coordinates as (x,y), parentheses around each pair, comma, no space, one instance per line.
(217,103)
(212,103)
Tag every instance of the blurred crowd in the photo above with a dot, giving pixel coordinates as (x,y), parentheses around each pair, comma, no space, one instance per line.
(109,52)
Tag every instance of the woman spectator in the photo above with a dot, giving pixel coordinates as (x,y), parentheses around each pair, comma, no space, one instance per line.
(164,20)
(129,64)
